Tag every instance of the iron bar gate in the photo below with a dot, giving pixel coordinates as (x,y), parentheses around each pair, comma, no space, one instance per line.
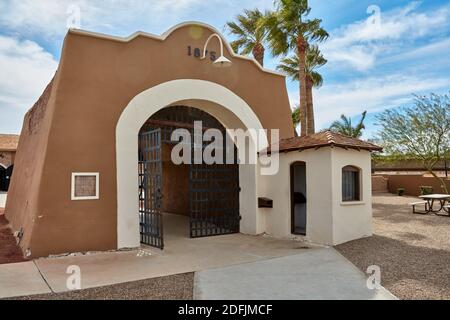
(214,199)
(150,184)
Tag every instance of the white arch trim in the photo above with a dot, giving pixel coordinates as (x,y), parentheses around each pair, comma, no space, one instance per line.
(166,34)
(142,107)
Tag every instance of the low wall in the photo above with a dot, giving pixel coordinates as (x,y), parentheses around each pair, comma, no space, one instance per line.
(380,184)
(412,183)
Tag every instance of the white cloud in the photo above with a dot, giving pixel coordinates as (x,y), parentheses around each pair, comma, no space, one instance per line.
(359,44)
(371,94)
(49,17)
(26,70)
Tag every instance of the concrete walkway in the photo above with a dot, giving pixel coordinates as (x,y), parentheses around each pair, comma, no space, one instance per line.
(232,259)
(181,255)
(19,279)
(314,275)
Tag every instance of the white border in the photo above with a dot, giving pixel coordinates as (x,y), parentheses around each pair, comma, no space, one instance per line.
(86,174)
(167,34)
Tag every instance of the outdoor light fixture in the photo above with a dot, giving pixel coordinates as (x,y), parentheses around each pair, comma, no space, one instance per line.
(222,61)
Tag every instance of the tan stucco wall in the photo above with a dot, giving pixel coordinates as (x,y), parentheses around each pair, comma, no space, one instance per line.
(96,80)
(412,183)
(379,184)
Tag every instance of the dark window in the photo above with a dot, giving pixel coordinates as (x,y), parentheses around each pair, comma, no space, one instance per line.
(351,184)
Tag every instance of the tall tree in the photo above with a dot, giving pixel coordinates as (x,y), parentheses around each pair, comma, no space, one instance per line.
(421,131)
(296,117)
(314,60)
(291,30)
(251,34)
(345,127)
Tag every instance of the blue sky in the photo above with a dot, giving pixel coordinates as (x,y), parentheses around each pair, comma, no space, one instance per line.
(376,61)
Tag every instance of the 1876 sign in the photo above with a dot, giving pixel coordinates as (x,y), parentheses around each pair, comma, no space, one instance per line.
(198,53)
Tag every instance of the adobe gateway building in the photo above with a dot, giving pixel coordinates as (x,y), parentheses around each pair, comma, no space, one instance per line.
(93,169)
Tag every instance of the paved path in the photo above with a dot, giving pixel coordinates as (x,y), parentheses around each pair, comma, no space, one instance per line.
(19,279)
(223,264)
(315,275)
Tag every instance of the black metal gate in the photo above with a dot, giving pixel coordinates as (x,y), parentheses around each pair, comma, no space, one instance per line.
(150,184)
(214,199)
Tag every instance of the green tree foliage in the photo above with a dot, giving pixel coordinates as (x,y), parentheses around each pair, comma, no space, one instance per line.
(344,126)
(421,131)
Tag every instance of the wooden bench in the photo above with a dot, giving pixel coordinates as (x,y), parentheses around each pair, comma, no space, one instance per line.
(414,204)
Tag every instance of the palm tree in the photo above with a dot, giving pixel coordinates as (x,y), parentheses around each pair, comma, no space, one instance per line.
(314,60)
(296,117)
(251,34)
(289,29)
(345,127)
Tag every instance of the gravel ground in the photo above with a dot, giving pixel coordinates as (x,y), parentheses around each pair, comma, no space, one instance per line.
(9,250)
(177,287)
(413,251)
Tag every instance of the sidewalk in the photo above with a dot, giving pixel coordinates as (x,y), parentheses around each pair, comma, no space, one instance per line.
(321,274)
(311,274)
(248,264)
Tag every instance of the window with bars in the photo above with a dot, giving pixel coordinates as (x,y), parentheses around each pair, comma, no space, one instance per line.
(85,186)
(351,184)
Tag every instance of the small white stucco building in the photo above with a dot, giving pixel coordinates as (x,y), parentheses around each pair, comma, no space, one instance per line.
(322,190)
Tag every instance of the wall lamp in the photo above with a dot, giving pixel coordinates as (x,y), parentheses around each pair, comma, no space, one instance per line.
(222,61)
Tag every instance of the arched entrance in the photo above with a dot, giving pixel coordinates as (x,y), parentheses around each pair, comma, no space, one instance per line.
(205,193)
(221,103)
(298,198)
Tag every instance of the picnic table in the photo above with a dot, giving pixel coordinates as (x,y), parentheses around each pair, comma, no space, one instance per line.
(443,201)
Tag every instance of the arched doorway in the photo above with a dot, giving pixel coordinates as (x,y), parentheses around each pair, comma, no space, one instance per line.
(298,198)
(228,108)
(205,193)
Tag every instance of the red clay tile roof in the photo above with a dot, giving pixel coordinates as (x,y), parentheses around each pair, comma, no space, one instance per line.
(326,139)
(8,142)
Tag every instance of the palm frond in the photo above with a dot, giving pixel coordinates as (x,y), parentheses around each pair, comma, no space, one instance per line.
(248,30)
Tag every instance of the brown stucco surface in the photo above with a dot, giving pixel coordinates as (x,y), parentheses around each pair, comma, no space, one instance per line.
(75,130)
(412,183)
(379,184)
(9,250)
